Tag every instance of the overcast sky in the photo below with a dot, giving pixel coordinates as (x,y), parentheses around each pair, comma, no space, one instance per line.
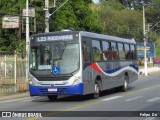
(95,1)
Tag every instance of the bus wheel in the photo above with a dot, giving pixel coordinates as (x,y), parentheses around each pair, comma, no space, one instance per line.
(52,97)
(95,95)
(125,84)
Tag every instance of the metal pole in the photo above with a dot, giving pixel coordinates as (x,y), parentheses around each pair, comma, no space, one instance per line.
(145,44)
(5,67)
(27,34)
(46,16)
(15,68)
(54,3)
(27,25)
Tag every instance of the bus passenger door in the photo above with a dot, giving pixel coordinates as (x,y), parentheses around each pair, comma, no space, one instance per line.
(86,70)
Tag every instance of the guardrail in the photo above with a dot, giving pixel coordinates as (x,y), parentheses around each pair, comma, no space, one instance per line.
(13,73)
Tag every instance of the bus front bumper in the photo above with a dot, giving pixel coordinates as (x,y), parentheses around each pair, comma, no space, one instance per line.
(56,90)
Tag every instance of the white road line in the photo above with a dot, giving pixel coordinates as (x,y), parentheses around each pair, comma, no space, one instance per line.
(153,99)
(32,99)
(111,98)
(6,101)
(19,99)
(150,118)
(134,98)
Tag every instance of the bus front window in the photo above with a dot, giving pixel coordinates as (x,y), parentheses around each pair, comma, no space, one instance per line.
(44,58)
(69,61)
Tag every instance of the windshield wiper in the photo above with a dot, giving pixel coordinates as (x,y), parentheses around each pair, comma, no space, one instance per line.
(60,56)
(63,50)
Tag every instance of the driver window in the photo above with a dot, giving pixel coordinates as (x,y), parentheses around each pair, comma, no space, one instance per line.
(47,56)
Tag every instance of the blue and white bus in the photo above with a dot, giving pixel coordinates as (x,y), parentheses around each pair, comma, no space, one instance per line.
(80,63)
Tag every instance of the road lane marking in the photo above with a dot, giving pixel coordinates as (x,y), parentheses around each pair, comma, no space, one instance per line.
(153,99)
(141,90)
(134,98)
(68,109)
(20,99)
(97,102)
(30,100)
(6,101)
(111,98)
(150,118)
(81,106)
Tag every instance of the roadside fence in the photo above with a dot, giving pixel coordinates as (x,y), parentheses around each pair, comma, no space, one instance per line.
(13,73)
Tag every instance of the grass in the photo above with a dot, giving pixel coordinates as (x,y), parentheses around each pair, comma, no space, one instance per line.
(148,66)
(157,52)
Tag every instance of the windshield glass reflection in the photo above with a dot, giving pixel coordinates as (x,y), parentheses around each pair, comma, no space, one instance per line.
(44,59)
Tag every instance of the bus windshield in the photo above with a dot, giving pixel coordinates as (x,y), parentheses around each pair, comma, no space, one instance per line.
(51,59)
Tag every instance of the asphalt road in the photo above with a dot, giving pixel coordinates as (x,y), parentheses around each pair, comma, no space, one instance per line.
(143,96)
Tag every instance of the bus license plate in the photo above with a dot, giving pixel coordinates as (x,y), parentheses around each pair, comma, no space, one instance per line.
(52,89)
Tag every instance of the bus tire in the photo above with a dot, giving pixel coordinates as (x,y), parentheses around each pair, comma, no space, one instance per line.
(95,95)
(124,88)
(52,97)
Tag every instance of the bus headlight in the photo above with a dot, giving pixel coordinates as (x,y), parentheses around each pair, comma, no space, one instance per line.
(76,81)
(30,82)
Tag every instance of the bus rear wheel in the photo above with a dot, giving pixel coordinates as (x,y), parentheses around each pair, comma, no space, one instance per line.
(95,95)
(124,88)
(52,97)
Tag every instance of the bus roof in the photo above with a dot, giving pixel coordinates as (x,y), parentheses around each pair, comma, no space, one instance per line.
(108,37)
(91,35)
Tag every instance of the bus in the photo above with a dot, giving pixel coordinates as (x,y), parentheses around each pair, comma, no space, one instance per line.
(80,63)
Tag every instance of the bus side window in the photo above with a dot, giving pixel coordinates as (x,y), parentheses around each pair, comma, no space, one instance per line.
(105,46)
(114,51)
(86,52)
(121,51)
(96,50)
(127,51)
(133,51)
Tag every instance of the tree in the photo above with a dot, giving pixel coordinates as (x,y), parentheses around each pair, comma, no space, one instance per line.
(134,4)
(9,35)
(118,20)
(75,15)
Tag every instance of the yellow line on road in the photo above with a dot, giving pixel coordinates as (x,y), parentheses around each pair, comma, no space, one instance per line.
(82,106)
(92,103)
(137,91)
(69,109)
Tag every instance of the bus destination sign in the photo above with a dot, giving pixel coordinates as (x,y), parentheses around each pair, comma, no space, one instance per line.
(54,38)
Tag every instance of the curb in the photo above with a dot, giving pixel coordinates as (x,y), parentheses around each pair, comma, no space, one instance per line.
(14,96)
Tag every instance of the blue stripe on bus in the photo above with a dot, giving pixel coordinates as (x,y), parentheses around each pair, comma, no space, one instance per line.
(117,69)
(61,90)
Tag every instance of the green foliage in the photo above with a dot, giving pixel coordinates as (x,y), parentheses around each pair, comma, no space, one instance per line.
(120,21)
(9,38)
(77,15)
(113,17)
(112,4)
(157,52)
(74,15)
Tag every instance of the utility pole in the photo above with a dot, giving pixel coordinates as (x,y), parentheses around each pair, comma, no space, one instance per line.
(20,25)
(145,43)
(27,36)
(46,16)
(27,25)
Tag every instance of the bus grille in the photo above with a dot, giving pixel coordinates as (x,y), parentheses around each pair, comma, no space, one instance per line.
(52,78)
(44,91)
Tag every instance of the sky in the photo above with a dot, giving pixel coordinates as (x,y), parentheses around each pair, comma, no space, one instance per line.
(95,1)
